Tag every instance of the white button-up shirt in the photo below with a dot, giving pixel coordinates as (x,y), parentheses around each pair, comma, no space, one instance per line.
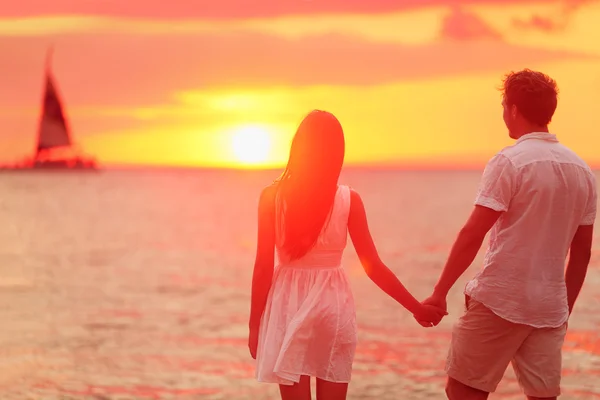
(545,192)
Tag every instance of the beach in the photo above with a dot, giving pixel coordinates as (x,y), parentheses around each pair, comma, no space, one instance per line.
(136,285)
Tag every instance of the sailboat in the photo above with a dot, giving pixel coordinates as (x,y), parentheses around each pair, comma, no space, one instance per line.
(55,148)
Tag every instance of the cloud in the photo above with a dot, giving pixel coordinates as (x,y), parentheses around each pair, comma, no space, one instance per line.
(541,23)
(459,24)
(137,69)
(553,22)
(229,9)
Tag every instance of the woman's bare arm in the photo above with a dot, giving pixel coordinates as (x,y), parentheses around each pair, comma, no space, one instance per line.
(265,256)
(376,270)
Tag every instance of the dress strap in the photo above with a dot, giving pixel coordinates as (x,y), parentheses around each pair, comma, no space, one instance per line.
(344,193)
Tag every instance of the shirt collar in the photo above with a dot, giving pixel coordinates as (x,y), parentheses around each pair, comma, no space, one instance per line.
(538,135)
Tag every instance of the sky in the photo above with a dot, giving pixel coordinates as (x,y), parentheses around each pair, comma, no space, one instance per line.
(225,83)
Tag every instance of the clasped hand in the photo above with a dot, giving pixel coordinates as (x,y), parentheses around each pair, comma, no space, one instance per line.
(431,312)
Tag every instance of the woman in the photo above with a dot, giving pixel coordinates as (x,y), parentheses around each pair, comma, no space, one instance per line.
(302,319)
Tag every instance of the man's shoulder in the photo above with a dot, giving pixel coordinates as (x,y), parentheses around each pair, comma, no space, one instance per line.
(573,158)
(506,155)
(514,150)
(521,154)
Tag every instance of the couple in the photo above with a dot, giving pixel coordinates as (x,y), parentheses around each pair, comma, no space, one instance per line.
(537,197)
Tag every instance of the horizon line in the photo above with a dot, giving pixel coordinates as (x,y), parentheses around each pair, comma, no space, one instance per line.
(363,167)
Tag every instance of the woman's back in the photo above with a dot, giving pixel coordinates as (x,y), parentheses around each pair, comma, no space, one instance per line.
(329,247)
(302,319)
(309,324)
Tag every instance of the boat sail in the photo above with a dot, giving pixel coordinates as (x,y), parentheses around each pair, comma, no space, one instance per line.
(54,148)
(53,131)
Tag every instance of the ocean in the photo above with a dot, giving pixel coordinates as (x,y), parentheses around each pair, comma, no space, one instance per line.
(136,285)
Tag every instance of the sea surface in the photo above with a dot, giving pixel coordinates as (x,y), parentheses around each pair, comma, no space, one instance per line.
(136,285)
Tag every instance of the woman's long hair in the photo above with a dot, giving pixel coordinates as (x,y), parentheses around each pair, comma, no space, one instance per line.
(307,188)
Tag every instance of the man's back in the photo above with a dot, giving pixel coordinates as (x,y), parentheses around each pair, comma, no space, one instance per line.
(538,201)
(546,192)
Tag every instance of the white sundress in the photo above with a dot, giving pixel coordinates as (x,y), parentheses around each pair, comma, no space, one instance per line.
(309,323)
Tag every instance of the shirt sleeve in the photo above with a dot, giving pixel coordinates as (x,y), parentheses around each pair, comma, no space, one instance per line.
(497,186)
(590,212)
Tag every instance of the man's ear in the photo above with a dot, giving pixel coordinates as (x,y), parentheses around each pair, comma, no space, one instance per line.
(513,111)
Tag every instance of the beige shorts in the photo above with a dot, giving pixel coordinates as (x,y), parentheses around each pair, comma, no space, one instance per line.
(483,344)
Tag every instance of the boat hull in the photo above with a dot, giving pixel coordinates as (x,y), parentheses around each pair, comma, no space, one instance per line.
(65,164)
(54,165)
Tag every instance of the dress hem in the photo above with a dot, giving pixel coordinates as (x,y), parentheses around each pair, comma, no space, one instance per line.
(290,382)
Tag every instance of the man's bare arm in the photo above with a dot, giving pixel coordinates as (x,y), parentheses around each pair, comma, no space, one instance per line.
(579,259)
(465,248)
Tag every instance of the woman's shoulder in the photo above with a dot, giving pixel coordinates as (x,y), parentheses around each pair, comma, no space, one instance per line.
(269,190)
(266,202)
(352,196)
(350,190)
(267,195)
(355,200)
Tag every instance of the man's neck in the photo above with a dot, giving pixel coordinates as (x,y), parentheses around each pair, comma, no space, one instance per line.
(534,129)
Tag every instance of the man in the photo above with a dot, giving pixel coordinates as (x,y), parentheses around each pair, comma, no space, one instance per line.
(539,198)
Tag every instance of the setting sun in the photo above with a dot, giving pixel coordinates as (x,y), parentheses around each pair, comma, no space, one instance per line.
(251,145)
